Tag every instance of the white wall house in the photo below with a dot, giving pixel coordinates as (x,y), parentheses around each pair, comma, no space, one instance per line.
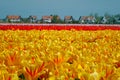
(13,18)
(33,19)
(68,19)
(47,19)
(87,19)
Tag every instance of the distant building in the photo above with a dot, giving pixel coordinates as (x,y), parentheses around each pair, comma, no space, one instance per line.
(47,19)
(13,18)
(105,19)
(87,19)
(68,19)
(33,19)
(117,19)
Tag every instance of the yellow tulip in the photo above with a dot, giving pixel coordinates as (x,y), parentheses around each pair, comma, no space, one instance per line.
(64,55)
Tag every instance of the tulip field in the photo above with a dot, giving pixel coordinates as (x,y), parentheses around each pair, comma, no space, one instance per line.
(59,52)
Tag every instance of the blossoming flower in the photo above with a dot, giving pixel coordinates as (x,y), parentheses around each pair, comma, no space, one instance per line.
(59,55)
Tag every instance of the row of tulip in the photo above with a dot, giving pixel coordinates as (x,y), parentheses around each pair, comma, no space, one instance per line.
(59,55)
(57,27)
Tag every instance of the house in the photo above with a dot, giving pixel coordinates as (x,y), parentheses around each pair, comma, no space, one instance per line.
(47,19)
(33,19)
(117,19)
(105,19)
(13,18)
(87,20)
(68,19)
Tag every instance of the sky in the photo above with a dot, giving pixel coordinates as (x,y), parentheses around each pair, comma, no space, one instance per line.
(75,8)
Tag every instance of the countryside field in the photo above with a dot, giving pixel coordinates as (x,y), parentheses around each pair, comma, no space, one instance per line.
(59,52)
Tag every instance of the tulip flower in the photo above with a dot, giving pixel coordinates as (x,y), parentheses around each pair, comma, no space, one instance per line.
(33,72)
(53,55)
(12,59)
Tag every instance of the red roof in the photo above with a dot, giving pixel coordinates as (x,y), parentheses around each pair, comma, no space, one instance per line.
(68,17)
(47,17)
(13,17)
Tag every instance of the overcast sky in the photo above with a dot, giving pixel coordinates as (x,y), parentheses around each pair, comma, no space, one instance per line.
(76,8)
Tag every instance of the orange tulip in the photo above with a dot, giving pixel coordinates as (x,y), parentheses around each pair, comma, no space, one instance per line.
(58,61)
(12,59)
(32,72)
